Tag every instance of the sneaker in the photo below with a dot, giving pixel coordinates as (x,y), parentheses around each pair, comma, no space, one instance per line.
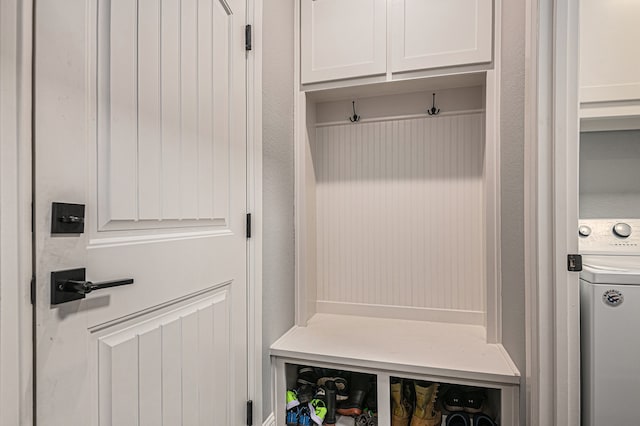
(318,411)
(304,416)
(292,417)
(305,394)
(483,420)
(307,376)
(454,399)
(474,400)
(458,419)
(292,399)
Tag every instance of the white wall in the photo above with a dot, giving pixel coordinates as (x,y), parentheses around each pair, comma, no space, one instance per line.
(277,133)
(512,182)
(610,174)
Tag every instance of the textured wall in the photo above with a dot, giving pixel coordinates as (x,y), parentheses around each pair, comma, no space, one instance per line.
(277,133)
(512,182)
(609,174)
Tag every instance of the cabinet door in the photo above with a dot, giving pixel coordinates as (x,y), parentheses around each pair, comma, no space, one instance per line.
(609,53)
(342,39)
(439,33)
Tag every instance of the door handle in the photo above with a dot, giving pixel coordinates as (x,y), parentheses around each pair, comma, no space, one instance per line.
(72,285)
(85,287)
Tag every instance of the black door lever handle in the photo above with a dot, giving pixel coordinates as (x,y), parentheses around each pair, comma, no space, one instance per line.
(72,285)
(85,287)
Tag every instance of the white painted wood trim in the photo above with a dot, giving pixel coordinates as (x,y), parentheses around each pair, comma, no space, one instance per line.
(402,312)
(16,391)
(553,346)
(270,420)
(565,213)
(254,206)
(401,117)
(493,275)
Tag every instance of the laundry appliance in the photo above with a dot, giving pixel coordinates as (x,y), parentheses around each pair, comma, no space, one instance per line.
(610,321)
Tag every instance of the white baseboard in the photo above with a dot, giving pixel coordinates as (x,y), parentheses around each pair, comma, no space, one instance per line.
(270,421)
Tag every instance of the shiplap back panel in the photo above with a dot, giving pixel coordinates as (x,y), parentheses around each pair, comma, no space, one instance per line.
(400,213)
(164,112)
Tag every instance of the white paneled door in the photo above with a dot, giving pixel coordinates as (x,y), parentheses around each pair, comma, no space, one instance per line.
(140,115)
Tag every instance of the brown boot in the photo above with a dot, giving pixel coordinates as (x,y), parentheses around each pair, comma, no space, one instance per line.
(400,409)
(425,413)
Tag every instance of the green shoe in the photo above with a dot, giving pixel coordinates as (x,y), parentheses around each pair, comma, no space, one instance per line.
(318,411)
(292,399)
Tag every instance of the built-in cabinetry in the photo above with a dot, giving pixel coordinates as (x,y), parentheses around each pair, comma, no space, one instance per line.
(397,202)
(361,38)
(609,65)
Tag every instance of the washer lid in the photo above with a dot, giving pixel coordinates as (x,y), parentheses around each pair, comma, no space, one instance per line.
(611,269)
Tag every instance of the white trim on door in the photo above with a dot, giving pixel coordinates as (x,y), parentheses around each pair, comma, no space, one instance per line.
(553,347)
(254,206)
(15,213)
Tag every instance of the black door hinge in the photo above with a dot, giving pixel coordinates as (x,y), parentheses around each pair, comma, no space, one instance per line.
(33,290)
(574,262)
(247,37)
(249,413)
(248,225)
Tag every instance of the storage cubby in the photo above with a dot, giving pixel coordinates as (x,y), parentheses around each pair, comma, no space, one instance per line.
(397,238)
(464,401)
(298,375)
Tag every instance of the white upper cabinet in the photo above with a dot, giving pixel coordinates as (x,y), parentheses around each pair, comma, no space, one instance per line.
(609,52)
(439,33)
(343,39)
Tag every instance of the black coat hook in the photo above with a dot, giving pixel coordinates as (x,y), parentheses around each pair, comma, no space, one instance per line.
(355,117)
(433,110)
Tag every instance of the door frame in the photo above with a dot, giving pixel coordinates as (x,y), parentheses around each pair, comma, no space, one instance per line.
(551,213)
(16,320)
(16,349)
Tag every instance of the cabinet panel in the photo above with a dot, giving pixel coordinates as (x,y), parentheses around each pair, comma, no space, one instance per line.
(609,60)
(342,39)
(438,33)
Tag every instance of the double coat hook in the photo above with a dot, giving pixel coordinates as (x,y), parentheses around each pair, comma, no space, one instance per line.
(433,110)
(355,117)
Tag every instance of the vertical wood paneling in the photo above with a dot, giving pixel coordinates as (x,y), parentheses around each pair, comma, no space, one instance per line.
(123,152)
(189,109)
(167,135)
(172,370)
(149,110)
(206,376)
(124,383)
(221,110)
(399,213)
(205,109)
(171,373)
(170,98)
(150,373)
(190,369)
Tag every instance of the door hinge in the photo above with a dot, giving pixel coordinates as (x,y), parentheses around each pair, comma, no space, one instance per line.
(249,413)
(33,290)
(574,262)
(248,225)
(247,37)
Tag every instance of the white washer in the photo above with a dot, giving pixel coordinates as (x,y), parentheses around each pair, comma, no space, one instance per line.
(610,321)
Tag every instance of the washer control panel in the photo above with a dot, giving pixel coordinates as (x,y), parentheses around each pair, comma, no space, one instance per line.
(609,236)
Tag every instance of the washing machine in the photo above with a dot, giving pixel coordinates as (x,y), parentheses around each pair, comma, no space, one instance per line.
(610,321)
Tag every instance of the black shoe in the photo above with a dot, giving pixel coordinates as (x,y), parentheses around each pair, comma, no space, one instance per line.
(371,401)
(458,419)
(474,400)
(359,387)
(455,399)
(307,376)
(483,420)
(330,393)
(305,394)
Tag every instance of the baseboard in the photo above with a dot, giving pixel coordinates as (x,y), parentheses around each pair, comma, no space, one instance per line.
(270,421)
(401,312)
